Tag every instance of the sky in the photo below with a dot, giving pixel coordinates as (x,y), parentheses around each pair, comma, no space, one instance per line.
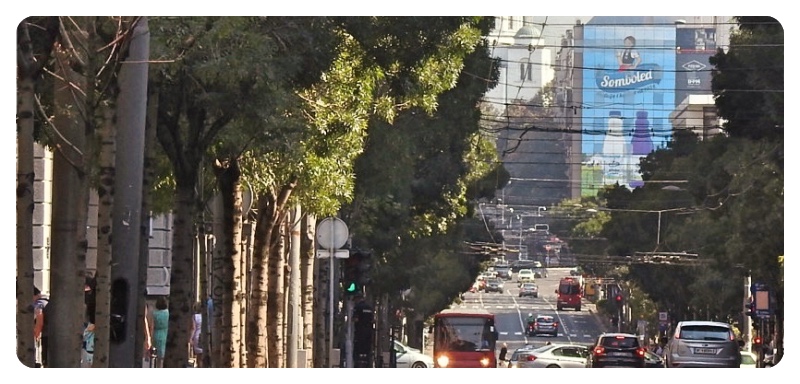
(20,10)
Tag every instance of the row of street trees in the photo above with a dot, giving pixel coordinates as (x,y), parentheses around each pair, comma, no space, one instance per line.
(293,106)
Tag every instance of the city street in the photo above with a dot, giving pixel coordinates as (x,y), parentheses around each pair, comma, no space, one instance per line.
(511,312)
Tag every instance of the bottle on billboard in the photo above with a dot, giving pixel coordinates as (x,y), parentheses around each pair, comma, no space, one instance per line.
(641,145)
(615,150)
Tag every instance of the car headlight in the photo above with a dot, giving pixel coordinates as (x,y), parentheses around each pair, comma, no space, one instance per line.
(443,360)
(485,362)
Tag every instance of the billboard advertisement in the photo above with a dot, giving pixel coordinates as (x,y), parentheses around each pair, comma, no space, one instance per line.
(694,46)
(628,93)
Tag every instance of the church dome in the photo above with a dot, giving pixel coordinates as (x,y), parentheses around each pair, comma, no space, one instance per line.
(528,32)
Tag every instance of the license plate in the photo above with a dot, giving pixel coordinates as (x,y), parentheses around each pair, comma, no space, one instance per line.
(705,351)
(619,354)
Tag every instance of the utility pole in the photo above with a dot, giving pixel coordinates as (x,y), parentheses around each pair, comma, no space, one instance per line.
(126,215)
(295,321)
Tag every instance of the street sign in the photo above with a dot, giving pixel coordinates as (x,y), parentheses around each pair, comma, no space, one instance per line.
(662,316)
(761,298)
(332,233)
(339,253)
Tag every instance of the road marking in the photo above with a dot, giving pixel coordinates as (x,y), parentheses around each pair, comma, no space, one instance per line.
(517,333)
(498,306)
(504,333)
(519,313)
(587,336)
(573,335)
(512,306)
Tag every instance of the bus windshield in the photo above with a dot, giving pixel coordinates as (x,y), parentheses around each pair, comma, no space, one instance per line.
(464,334)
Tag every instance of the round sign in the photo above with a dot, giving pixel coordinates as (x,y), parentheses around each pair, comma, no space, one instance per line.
(332,233)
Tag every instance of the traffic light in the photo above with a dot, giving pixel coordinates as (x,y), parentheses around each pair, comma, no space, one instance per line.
(751,310)
(757,340)
(619,299)
(350,276)
(356,272)
(755,326)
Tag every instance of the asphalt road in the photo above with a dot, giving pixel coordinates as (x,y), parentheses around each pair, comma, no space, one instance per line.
(511,312)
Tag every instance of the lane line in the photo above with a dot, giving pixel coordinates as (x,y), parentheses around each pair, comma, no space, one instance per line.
(521,323)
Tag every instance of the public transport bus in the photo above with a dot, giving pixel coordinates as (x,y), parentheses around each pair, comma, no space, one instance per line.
(464,338)
(569,293)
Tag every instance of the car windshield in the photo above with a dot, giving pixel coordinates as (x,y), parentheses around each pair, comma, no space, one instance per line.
(525,272)
(747,359)
(544,319)
(705,332)
(528,286)
(569,289)
(620,342)
(463,334)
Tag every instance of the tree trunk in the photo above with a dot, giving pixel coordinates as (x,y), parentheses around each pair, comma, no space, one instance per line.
(218,336)
(322,334)
(105,193)
(248,230)
(257,312)
(295,312)
(276,299)
(307,261)
(270,212)
(70,205)
(148,177)
(228,177)
(28,69)
(181,290)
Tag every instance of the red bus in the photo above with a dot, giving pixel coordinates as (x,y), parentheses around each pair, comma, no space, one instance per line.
(569,293)
(464,338)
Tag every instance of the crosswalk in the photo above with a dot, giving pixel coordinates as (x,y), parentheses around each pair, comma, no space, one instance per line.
(507,306)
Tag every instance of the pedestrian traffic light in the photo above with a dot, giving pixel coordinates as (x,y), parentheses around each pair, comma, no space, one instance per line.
(356,272)
(750,310)
(757,340)
(350,276)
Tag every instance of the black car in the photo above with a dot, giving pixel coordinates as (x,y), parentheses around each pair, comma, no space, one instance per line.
(495,285)
(503,272)
(617,350)
(540,272)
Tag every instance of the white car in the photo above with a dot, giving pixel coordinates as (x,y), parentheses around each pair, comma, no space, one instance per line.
(525,276)
(552,356)
(408,357)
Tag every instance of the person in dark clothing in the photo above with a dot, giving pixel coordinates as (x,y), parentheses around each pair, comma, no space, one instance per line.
(503,352)
(40,334)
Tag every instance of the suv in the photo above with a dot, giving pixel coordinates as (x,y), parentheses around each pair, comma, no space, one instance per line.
(503,272)
(703,344)
(616,350)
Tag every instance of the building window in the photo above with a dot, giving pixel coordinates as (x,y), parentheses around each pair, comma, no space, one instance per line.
(709,121)
(525,70)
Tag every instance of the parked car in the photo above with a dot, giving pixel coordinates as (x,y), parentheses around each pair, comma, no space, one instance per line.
(528,290)
(494,285)
(703,343)
(554,356)
(408,357)
(617,350)
(544,324)
(540,272)
(748,360)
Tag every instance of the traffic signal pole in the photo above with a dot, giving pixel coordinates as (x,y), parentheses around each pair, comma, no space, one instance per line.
(348,343)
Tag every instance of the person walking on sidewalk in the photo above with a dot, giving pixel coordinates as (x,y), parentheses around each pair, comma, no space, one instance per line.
(159,327)
(502,358)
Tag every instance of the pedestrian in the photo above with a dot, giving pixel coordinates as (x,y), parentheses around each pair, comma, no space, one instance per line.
(197,322)
(90,305)
(40,334)
(159,324)
(503,353)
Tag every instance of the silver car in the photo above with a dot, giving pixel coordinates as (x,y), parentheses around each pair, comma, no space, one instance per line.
(703,344)
(553,356)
